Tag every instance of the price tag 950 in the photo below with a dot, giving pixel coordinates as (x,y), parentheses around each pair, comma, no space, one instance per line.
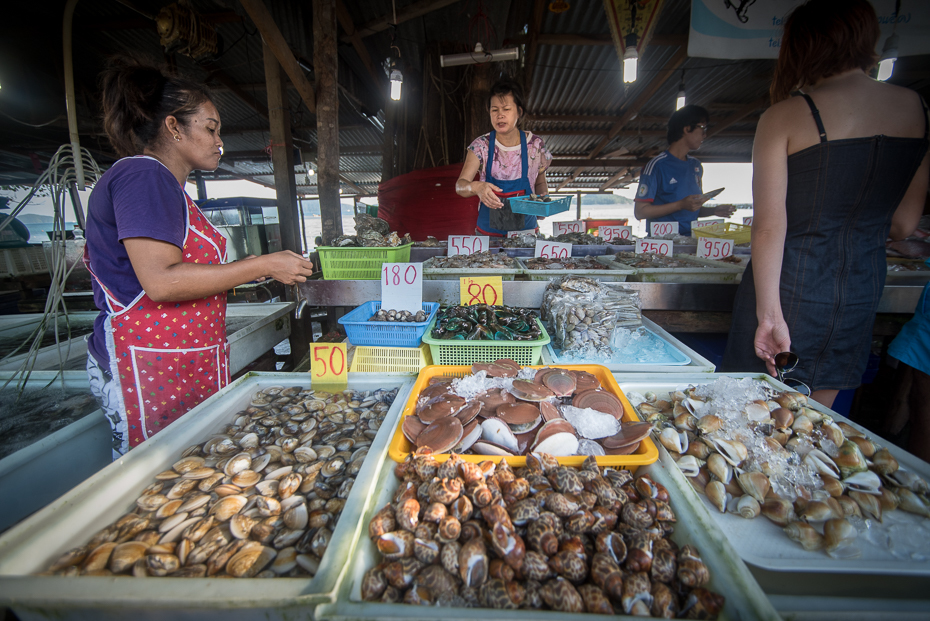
(614,232)
(552,250)
(467,244)
(661,229)
(747,220)
(402,286)
(699,224)
(709,248)
(655,246)
(328,363)
(575,226)
(481,290)
(519,233)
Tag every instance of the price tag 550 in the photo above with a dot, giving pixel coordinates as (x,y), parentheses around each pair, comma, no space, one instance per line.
(709,248)
(328,363)
(467,244)
(575,226)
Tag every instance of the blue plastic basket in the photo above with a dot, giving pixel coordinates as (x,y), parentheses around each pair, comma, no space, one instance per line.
(536,208)
(385,333)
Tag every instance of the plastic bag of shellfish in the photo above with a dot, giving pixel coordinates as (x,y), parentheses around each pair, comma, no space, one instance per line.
(583,325)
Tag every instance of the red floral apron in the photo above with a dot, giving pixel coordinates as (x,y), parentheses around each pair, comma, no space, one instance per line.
(167,357)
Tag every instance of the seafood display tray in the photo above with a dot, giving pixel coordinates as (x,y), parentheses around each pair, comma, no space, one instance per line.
(578,250)
(359,263)
(729,576)
(360,331)
(762,543)
(31,545)
(699,273)
(645,454)
(919,276)
(739,233)
(455,352)
(610,275)
(540,208)
(418,254)
(432,273)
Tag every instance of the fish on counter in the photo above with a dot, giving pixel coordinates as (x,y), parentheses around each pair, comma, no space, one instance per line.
(650,260)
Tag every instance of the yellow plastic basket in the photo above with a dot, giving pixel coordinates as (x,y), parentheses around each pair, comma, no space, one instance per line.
(739,233)
(407,360)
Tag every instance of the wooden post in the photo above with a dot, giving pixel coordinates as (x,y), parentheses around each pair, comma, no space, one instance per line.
(477,120)
(578,205)
(325,66)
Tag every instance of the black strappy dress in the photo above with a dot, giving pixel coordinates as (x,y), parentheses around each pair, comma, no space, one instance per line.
(840,200)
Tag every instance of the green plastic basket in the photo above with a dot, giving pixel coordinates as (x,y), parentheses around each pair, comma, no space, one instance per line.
(359,263)
(446,352)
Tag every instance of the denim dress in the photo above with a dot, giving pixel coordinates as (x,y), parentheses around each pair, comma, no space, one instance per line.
(840,200)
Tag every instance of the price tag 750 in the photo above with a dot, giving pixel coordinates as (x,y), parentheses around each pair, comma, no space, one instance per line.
(481,290)
(328,363)
(709,248)
(655,246)
(614,232)
(575,226)
(467,244)
(552,250)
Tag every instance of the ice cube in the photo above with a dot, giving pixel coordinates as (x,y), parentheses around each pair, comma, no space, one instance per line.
(590,423)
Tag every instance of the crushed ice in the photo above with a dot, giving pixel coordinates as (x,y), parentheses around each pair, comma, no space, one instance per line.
(590,423)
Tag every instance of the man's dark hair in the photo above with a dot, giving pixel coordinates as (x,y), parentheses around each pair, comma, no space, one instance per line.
(506,86)
(687,117)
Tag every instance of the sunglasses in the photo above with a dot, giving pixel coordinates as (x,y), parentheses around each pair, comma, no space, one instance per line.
(785,362)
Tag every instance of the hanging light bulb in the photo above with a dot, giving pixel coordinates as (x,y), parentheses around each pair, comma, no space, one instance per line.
(397,79)
(680,100)
(889,56)
(630,58)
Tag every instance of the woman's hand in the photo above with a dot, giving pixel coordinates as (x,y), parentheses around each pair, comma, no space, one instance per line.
(486,193)
(772,338)
(287,267)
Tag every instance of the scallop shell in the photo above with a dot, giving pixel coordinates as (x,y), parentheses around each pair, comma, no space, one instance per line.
(599,400)
(559,444)
(497,432)
(629,434)
(560,382)
(470,435)
(441,435)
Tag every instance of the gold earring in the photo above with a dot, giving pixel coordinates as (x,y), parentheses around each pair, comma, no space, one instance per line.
(177,137)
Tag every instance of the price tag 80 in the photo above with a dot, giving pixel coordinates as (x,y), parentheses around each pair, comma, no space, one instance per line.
(552,250)
(467,244)
(575,226)
(709,248)
(661,229)
(615,232)
(655,246)
(328,363)
(481,290)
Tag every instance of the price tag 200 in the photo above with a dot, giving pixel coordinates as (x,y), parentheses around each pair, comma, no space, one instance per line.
(575,226)
(467,244)
(655,246)
(661,229)
(614,232)
(747,220)
(328,363)
(709,248)
(402,286)
(481,290)
(552,250)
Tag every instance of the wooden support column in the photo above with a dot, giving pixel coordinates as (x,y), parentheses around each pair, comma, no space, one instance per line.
(578,205)
(326,64)
(477,119)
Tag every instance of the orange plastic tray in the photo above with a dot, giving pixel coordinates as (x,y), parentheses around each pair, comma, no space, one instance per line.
(644,455)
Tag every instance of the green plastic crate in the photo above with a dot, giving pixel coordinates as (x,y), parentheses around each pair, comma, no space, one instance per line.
(359,263)
(448,352)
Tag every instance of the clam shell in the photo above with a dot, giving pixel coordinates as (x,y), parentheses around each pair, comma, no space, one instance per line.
(484,447)
(227,507)
(470,435)
(518,413)
(549,411)
(530,391)
(468,413)
(497,432)
(560,382)
(412,427)
(552,427)
(237,464)
(629,434)
(441,435)
(249,561)
(559,444)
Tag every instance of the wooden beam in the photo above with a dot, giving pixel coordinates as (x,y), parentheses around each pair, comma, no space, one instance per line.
(593,40)
(351,184)
(326,67)
(737,116)
(623,172)
(345,20)
(539,8)
(411,11)
(141,23)
(644,96)
(246,98)
(272,36)
(581,162)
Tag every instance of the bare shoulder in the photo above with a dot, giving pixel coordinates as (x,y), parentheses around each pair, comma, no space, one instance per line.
(785,112)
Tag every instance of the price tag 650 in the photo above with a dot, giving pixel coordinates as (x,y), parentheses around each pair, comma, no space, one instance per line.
(655,246)
(328,363)
(481,290)
(467,244)
(614,232)
(402,286)
(709,248)
(661,229)
(575,226)
(552,250)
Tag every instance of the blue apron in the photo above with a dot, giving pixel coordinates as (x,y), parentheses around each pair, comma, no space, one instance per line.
(516,187)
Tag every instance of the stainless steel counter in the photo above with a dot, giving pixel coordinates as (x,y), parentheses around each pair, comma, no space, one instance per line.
(654,296)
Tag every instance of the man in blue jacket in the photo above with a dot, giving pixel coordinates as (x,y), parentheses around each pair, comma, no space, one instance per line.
(670,184)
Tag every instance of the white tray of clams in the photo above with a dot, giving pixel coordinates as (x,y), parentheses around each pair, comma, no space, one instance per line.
(774,456)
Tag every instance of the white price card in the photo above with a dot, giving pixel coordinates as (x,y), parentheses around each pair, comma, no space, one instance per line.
(747,220)
(699,224)
(519,233)
(467,244)
(552,250)
(711,248)
(574,226)
(613,232)
(661,229)
(655,246)
(402,286)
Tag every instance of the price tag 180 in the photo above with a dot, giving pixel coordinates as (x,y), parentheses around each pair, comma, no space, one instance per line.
(661,229)
(402,286)
(519,233)
(655,246)
(710,248)
(481,290)
(328,364)
(575,226)
(552,250)
(614,232)
(467,244)
(747,220)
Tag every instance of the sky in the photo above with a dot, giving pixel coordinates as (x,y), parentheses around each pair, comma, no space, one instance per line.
(736,178)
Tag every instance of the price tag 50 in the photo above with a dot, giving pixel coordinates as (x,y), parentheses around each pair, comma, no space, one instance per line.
(402,286)
(467,244)
(661,229)
(328,363)
(481,290)
(709,248)
(575,226)
(552,250)
(655,246)
(614,232)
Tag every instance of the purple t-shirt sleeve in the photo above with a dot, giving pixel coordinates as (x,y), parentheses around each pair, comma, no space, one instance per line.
(149,203)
